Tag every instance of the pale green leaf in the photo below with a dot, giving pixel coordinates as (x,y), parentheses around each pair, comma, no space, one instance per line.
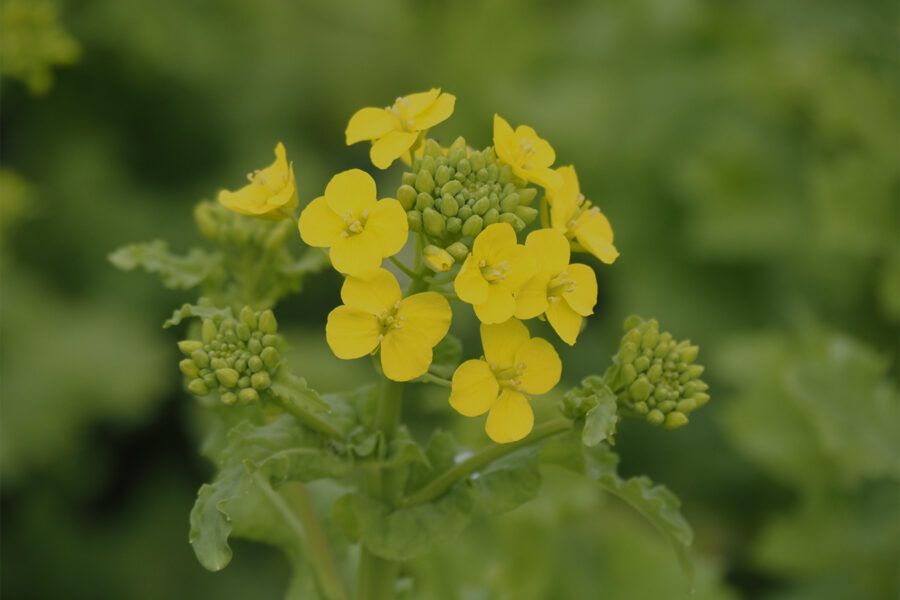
(176,272)
(204,309)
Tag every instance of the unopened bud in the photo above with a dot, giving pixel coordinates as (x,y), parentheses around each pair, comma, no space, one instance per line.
(437,259)
(248,396)
(458,251)
(527,195)
(256,363)
(510,203)
(188,346)
(424,182)
(227,377)
(527,214)
(449,207)
(261,380)
(208,331)
(454,225)
(406,196)
(198,387)
(491,216)
(267,322)
(641,364)
(689,354)
(424,200)
(189,367)
(674,420)
(655,417)
(433,222)
(628,353)
(628,374)
(640,388)
(228,398)
(414,220)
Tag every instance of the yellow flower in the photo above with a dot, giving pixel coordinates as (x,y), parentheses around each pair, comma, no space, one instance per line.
(437,259)
(271,193)
(529,155)
(493,272)
(375,314)
(359,230)
(513,363)
(394,129)
(574,217)
(564,293)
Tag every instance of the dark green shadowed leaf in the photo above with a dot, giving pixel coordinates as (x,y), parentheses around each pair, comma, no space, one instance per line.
(176,272)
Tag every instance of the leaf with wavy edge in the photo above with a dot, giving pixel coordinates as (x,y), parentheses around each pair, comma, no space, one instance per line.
(175,272)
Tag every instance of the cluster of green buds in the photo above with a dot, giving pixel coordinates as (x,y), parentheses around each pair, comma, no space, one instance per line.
(228,228)
(237,357)
(453,193)
(655,375)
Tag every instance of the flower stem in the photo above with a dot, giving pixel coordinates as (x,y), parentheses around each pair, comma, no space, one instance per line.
(310,420)
(306,525)
(409,272)
(477,461)
(377,576)
(430,378)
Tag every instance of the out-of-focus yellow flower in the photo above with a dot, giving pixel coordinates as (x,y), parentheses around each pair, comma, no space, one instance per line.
(394,129)
(580,222)
(529,155)
(493,272)
(360,231)
(271,193)
(514,363)
(375,314)
(564,293)
(437,259)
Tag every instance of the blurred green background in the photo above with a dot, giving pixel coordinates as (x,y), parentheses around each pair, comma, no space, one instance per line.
(746,154)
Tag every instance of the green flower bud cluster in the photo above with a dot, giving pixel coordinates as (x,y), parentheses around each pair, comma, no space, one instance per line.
(237,357)
(453,193)
(657,378)
(228,228)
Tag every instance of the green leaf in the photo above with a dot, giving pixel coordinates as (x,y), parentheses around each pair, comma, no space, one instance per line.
(509,482)
(290,388)
(278,452)
(654,501)
(205,309)
(595,402)
(176,272)
(446,356)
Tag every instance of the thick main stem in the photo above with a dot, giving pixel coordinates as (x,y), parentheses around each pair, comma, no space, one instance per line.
(443,482)
(377,576)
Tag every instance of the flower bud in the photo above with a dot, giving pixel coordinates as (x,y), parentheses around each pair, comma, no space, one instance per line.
(248,396)
(424,182)
(267,322)
(261,380)
(406,196)
(188,346)
(449,207)
(228,398)
(433,222)
(198,387)
(208,331)
(437,259)
(491,216)
(527,214)
(270,357)
(227,377)
(423,201)
(189,368)
(674,420)
(640,388)
(414,219)
(458,251)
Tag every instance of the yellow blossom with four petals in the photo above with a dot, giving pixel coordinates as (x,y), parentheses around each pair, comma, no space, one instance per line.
(565,293)
(493,272)
(359,230)
(271,193)
(574,217)
(394,129)
(514,364)
(375,315)
(529,155)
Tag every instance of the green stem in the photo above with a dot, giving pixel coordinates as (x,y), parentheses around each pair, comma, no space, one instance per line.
(409,272)
(420,249)
(307,527)
(477,461)
(310,420)
(377,576)
(430,378)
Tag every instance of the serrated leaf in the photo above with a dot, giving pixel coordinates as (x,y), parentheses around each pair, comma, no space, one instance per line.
(176,272)
(446,356)
(210,519)
(290,388)
(204,309)
(600,421)
(654,501)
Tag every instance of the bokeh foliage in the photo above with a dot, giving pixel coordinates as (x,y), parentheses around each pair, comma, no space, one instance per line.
(745,153)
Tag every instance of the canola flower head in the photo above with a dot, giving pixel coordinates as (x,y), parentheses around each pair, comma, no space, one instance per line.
(359,230)
(657,378)
(514,364)
(573,216)
(453,193)
(494,271)
(237,358)
(529,155)
(393,130)
(376,316)
(271,193)
(564,293)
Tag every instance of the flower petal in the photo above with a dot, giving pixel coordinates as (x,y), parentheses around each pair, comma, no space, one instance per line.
(389,148)
(550,248)
(418,102)
(404,355)
(544,155)
(545,177)
(318,224)
(440,110)
(469,284)
(371,292)
(583,298)
(351,333)
(522,267)
(494,242)
(531,299)
(368,124)
(499,306)
(500,342)
(503,135)
(388,223)
(594,232)
(542,368)
(564,200)
(510,418)
(276,175)
(564,320)
(356,254)
(426,315)
(351,192)
(474,388)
